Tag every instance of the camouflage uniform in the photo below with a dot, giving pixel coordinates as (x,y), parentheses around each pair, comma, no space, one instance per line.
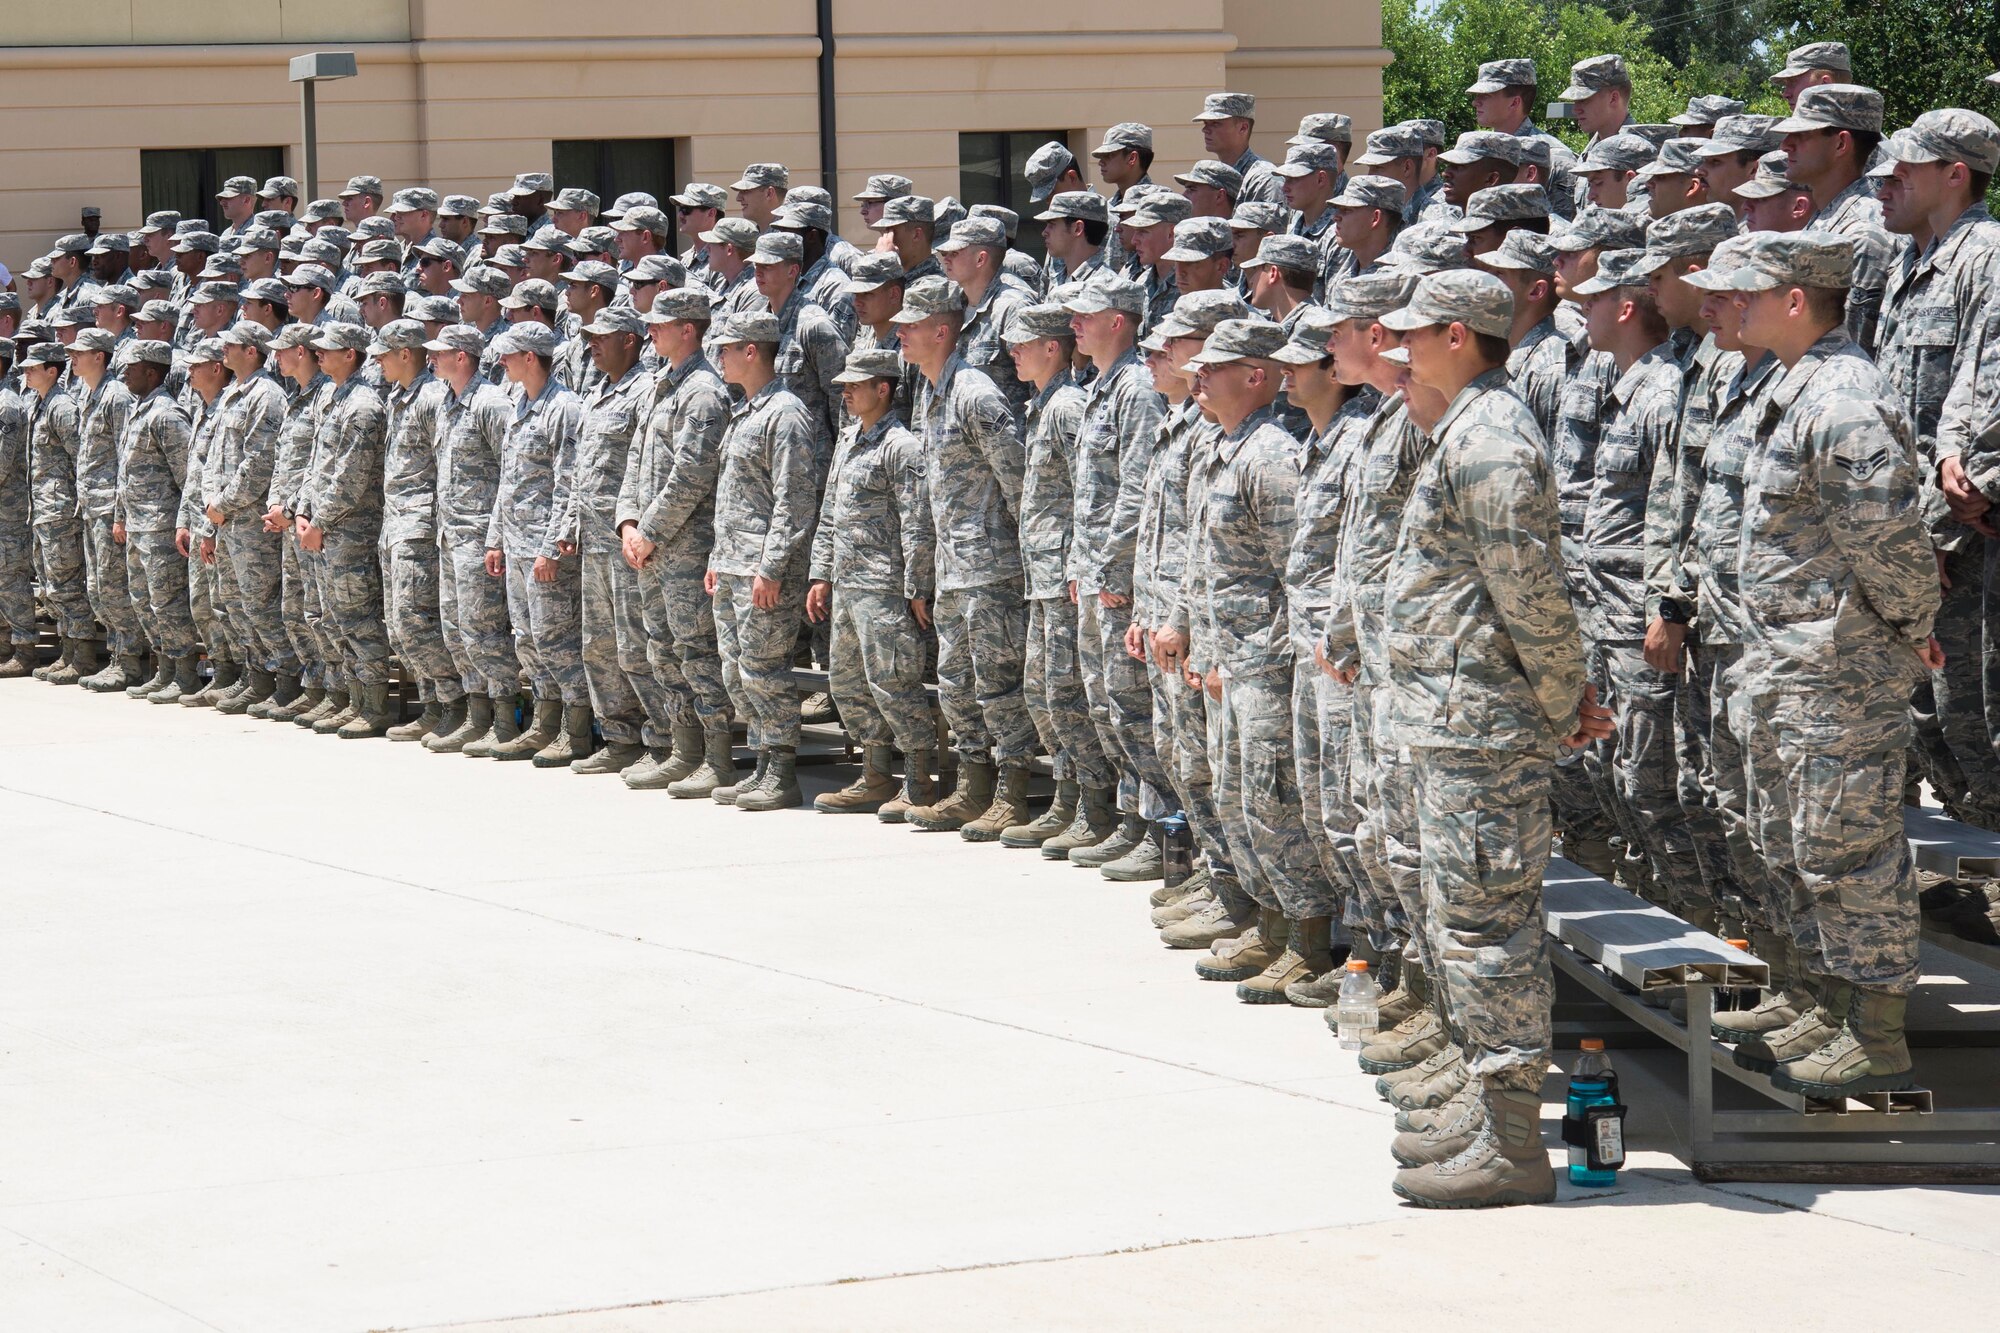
(1857,214)
(411,572)
(215,626)
(873,544)
(1839,589)
(152,459)
(1121,417)
(981,346)
(102,414)
(765,503)
(974,463)
(535,467)
(1538,367)
(17,542)
(301,586)
(1487,674)
(810,353)
(472,604)
(53,439)
(236,479)
(669,493)
(342,496)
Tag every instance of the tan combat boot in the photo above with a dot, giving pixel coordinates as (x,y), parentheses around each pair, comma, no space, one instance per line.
(1405,1045)
(337,717)
(371,713)
(1095,820)
(1059,816)
(1211,923)
(1505,1163)
(120,672)
(1444,1132)
(185,681)
(543,728)
(221,676)
(1009,807)
(718,768)
(726,794)
(1783,1000)
(258,685)
(1871,1054)
(1308,955)
(474,719)
(420,726)
(967,802)
(1813,1029)
(657,772)
(874,786)
(310,698)
(141,687)
(1431,1083)
(780,788)
(1416,1119)
(612,757)
(503,730)
(918,789)
(1173,893)
(572,739)
(1143,864)
(1131,831)
(1246,955)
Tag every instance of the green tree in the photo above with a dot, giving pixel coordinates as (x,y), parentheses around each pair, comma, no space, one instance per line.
(1920,53)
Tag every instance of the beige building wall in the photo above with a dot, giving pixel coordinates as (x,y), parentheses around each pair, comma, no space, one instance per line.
(461,94)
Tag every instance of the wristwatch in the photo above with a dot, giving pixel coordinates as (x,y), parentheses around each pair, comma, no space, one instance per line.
(1674,611)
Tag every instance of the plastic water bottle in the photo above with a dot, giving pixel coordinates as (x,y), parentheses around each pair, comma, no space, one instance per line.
(1595,1083)
(1360,1011)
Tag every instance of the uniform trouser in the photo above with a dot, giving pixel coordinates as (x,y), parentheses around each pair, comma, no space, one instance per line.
(17,583)
(1057,701)
(1695,727)
(111,591)
(1402,833)
(631,706)
(1484,819)
(1377,908)
(876,670)
(1960,689)
(350,596)
(1181,730)
(1208,720)
(1726,783)
(221,637)
(300,628)
(415,622)
(680,631)
(1641,771)
(1257,790)
(472,610)
(548,629)
(1121,707)
(982,651)
(1322,712)
(756,645)
(250,567)
(312,569)
(65,576)
(1826,784)
(159,575)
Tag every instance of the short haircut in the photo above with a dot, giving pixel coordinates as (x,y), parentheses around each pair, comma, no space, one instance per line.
(1493,348)
(1299,280)
(1095,231)
(1827,303)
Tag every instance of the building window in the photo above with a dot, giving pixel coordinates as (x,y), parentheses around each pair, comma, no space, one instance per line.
(611,167)
(991,170)
(186,179)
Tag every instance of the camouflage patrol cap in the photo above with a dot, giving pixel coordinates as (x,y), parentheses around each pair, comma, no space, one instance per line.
(156,312)
(431,309)
(483,280)
(690,304)
(259,238)
(188,226)
(1306,158)
(1834,106)
(1123,137)
(246,333)
(415,199)
(532,182)
(1293,252)
(1596,228)
(1198,314)
(616,319)
(342,338)
(779,247)
(1816,56)
(594,241)
(205,352)
(700,194)
(1324,127)
(737,233)
(1427,247)
(1045,166)
(458,206)
(875,270)
(549,240)
(454,338)
(1884,164)
(1499,75)
(1524,251)
(1161,206)
(1773,178)
(1105,290)
(595,273)
(1257,215)
(87,340)
(1240,340)
(499,202)
(327,210)
(269,290)
(1391,143)
(1311,332)
(73,318)
(927,297)
(1008,219)
(1683,235)
(988,232)
(293,336)
(220,266)
(210,293)
(505,224)
(1227,106)
(1587,78)
(570,199)
(1950,134)
(39,354)
(382,284)
(885,186)
(1208,171)
(536,292)
(1367,191)
(871,363)
(1429,130)
(163,221)
(312,275)
(1465,296)
(75,243)
(1498,204)
(118,294)
(381,250)
(38,267)
(1616,152)
(661,268)
(1196,239)
(362,185)
(1483,146)
(526,336)
(746,326)
(1615,269)
(437,247)
(376,228)
(237,187)
(760,175)
(628,201)
(1654,134)
(1707,109)
(906,208)
(1747,132)
(1677,158)
(1722,264)
(510,256)
(644,217)
(110,243)
(1034,323)
(1779,259)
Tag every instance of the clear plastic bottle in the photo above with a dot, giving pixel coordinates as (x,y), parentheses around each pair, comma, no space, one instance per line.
(1360,1012)
(1594,1083)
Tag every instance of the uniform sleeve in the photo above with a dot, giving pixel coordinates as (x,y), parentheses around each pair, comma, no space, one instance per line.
(821,565)
(997,435)
(66,430)
(174,434)
(630,504)
(356,458)
(1138,422)
(1868,490)
(697,448)
(828,351)
(246,486)
(794,487)
(568,424)
(13,441)
(1668,513)
(913,510)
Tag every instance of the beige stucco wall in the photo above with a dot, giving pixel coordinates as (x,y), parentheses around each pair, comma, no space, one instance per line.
(461,94)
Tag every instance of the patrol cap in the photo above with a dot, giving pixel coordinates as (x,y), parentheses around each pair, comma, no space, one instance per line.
(779,247)
(1124,136)
(398,335)
(644,217)
(205,352)
(549,240)
(527,336)
(360,185)
(312,275)
(570,199)
(700,194)
(1722,264)
(72,318)
(416,199)
(746,326)
(110,242)
(37,267)
(164,220)
(949,211)
(1835,106)
(875,270)
(1483,146)
(1816,56)
(236,187)
(1226,106)
(1391,143)
(267,289)
(616,319)
(1810,258)
(1198,314)
(1210,172)
(327,210)
(1293,252)
(1106,290)
(378,227)
(532,182)
(1950,134)
(1536,152)
(1009,220)
(157,312)
(661,268)
(510,256)
(1677,158)
(1683,235)
(1161,206)
(628,201)
(1306,158)
(595,273)
(1129,202)
(760,174)
(1241,340)
(1465,296)
(437,247)
(800,214)
(210,292)
(888,186)
(87,340)
(536,292)
(1587,78)
(1525,251)
(593,241)
(1615,269)
(693,304)
(145,280)
(76,243)
(456,338)
(1258,215)
(1201,238)
(1045,166)
(247,333)
(1034,323)
(383,284)
(1746,132)
(1499,75)
(220,266)
(505,224)
(431,309)
(1773,178)
(1501,204)
(115,293)
(41,354)
(1324,127)
(973,231)
(1427,247)
(927,297)
(1707,109)
(259,238)
(10,304)
(1311,332)
(483,279)
(458,206)
(1616,152)
(279,187)
(1368,191)
(342,338)
(1397,356)
(871,363)
(293,336)
(379,250)
(1596,228)
(1431,132)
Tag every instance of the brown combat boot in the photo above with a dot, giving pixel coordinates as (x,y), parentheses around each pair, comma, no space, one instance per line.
(473,719)
(919,789)
(1870,1054)
(503,728)
(542,730)
(1308,955)
(1406,1045)
(1060,814)
(1009,807)
(870,790)
(1814,1028)
(1444,1131)
(1096,819)
(717,769)
(371,713)
(658,771)
(1246,955)
(1504,1164)
(780,788)
(967,802)
(258,685)
(572,739)
(420,726)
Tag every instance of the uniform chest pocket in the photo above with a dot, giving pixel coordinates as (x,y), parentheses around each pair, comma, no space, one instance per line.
(534,443)
(1380,473)
(1780,473)
(1931,326)
(1724,458)
(790,361)
(1623,457)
